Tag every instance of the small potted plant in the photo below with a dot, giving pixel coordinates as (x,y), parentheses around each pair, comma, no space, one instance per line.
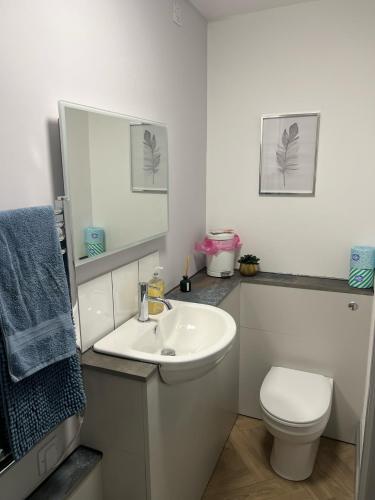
(248,265)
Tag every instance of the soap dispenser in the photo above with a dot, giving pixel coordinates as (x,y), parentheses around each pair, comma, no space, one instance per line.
(156,288)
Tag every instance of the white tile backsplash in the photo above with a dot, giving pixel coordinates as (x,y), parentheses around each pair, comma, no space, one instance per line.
(110,300)
(95,309)
(147,266)
(125,291)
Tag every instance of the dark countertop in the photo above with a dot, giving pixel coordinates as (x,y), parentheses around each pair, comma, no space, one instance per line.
(122,366)
(67,477)
(212,291)
(206,289)
(209,290)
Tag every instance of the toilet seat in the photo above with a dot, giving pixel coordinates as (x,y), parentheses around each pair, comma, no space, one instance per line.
(294,397)
(305,427)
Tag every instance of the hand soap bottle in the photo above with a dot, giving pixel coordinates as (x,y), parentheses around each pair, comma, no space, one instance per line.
(156,288)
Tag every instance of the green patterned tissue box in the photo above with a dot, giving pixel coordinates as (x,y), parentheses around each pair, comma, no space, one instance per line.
(361,278)
(94,241)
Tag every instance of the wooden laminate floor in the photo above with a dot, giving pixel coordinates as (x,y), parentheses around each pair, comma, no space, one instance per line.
(243,471)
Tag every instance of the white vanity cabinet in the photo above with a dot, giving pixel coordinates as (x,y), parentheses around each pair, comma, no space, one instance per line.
(307,330)
(159,441)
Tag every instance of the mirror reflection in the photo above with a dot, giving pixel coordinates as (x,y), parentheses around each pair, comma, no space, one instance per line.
(116,179)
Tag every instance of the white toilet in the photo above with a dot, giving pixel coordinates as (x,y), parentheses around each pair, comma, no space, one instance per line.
(296,406)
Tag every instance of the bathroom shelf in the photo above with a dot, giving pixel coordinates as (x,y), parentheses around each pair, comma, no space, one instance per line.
(211,291)
(5,460)
(68,476)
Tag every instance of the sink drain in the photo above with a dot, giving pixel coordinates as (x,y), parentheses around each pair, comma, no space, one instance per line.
(168,352)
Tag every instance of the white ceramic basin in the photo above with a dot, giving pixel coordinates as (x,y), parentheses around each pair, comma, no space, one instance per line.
(198,335)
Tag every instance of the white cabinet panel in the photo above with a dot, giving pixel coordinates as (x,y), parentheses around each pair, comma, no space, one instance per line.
(112,420)
(231,304)
(303,312)
(188,425)
(306,330)
(123,476)
(113,424)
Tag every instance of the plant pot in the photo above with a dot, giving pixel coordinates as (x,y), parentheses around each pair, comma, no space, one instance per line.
(248,269)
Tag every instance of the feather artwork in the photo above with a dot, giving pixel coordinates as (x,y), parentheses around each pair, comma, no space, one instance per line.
(287,151)
(152,154)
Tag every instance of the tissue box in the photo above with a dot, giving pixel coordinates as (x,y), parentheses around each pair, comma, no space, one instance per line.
(361,278)
(362,257)
(94,241)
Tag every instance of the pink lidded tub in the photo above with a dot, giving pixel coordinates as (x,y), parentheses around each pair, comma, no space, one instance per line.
(219,247)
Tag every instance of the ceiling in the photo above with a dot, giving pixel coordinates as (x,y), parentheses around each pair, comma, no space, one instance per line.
(215,9)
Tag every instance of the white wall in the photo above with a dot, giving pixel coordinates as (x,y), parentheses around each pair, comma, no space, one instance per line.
(121,55)
(307,57)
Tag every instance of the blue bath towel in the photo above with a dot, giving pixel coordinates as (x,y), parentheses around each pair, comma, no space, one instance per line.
(4,444)
(34,406)
(35,311)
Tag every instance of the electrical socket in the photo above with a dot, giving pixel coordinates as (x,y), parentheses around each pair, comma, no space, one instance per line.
(48,456)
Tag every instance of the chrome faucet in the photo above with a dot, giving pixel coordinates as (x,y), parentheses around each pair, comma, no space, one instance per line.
(144,299)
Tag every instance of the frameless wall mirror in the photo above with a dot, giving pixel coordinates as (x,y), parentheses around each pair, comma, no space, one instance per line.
(115,177)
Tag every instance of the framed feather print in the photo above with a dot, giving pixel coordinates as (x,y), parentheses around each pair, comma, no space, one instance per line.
(288,154)
(149,158)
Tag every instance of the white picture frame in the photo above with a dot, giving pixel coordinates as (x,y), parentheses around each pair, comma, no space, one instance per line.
(149,158)
(288,154)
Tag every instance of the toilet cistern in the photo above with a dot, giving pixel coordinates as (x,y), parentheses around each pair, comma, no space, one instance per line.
(144,299)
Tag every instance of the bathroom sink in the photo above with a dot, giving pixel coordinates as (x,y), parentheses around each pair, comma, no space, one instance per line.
(186,342)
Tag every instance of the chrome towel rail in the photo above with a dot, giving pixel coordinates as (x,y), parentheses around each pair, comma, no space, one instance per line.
(60,223)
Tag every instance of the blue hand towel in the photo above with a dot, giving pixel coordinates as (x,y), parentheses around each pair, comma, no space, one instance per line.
(35,311)
(34,406)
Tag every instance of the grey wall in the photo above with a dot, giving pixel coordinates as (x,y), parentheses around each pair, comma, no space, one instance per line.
(121,55)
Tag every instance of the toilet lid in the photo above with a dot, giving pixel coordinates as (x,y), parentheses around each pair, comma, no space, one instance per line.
(296,396)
